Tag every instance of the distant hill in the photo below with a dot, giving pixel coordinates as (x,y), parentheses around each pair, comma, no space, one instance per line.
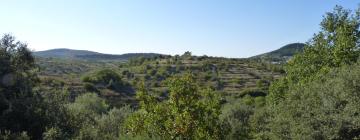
(64,53)
(88,55)
(284,52)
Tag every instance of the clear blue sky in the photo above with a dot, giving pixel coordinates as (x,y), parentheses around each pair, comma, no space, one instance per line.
(230,28)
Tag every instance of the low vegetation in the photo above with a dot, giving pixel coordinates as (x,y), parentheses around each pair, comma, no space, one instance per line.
(313,95)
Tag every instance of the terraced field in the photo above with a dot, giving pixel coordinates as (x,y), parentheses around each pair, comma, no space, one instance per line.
(228,76)
(238,76)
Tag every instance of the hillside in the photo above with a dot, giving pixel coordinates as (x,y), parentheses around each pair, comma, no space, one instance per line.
(230,77)
(294,91)
(88,55)
(283,53)
(233,80)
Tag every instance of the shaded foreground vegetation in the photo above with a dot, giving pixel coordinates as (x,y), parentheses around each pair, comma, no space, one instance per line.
(315,96)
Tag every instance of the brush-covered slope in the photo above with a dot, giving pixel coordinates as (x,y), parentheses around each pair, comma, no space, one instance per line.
(88,55)
(284,52)
(64,53)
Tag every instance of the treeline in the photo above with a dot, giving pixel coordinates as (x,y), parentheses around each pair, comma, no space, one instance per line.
(318,98)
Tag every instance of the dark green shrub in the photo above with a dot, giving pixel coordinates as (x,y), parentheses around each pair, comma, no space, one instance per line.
(189,113)
(237,115)
(90,87)
(252,92)
(102,77)
(262,84)
(105,78)
(18,77)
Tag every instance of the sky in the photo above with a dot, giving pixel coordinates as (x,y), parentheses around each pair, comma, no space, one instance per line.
(227,28)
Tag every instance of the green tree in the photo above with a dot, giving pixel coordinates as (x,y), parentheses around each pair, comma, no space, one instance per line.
(105,78)
(337,44)
(326,108)
(86,108)
(52,108)
(111,125)
(237,115)
(88,117)
(17,79)
(190,113)
(187,55)
(318,97)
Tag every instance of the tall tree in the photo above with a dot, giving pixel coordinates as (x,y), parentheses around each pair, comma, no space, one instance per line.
(17,77)
(318,97)
(337,44)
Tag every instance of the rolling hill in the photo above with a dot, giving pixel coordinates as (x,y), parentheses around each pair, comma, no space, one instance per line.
(284,53)
(88,55)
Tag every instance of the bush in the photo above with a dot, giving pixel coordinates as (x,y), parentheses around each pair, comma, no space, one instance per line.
(53,133)
(327,108)
(260,101)
(85,109)
(105,78)
(238,116)
(102,77)
(90,87)
(208,76)
(240,81)
(112,123)
(190,113)
(262,84)
(252,92)
(7,135)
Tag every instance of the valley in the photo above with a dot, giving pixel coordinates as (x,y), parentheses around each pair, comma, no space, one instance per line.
(230,77)
(239,79)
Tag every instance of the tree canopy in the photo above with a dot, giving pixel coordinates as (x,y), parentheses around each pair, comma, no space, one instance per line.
(337,44)
(190,113)
(318,98)
(17,79)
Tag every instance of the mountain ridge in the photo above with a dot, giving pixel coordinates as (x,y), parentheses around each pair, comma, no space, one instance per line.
(282,53)
(65,53)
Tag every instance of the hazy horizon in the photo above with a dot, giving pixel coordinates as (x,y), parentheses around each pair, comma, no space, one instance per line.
(227,28)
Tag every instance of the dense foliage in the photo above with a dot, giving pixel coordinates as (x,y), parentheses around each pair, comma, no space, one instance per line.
(337,44)
(326,108)
(318,98)
(17,78)
(186,96)
(190,113)
(105,78)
